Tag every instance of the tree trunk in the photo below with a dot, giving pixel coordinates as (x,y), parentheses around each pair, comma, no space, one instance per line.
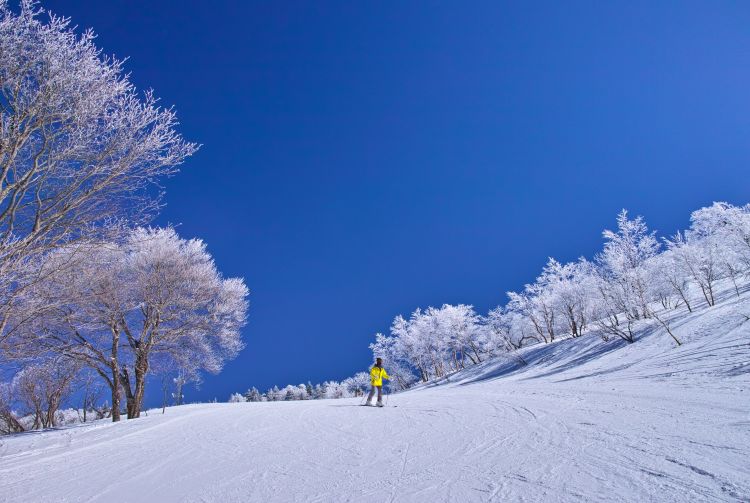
(141,369)
(734,282)
(666,327)
(52,406)
(573,324)
(115,388)
(115,383)
(12,422)
(476,353)
(164,390)
(711,294)
(709,300)
(684,299)
(129,397)
(538,329)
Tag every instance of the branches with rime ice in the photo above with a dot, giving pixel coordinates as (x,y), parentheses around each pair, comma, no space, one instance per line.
(80,147)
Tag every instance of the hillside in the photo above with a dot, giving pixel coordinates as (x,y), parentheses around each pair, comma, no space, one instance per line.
(585,420)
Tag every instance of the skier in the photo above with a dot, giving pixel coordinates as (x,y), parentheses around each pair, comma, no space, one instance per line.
(377,374)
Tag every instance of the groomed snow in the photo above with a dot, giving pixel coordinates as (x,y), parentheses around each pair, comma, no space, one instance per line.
(584,421)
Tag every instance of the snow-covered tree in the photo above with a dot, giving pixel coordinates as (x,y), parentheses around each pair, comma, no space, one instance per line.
(152,302)
(43,387)
(253,395)
(335,389)
(274,394)
(535,304)
(292,392)
(318,392)
(237,398)
(509,330)
(188,315)
(730,225)
(669,278)
(570,288)
(623,277)
(9,421)
(90,390)
(461,333)
(80,147)
(432,342)
(408,343)
(700,258)
(623,262)
(180,381)
(357,384)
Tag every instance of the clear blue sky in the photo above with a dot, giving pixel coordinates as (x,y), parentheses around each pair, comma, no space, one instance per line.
(361,159)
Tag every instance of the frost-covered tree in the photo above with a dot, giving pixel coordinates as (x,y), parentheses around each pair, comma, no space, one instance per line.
(154,301)
(180,381)
(302,392)
(432,342)
(716,246)
(274,394)
(335,389)
(700,258)
(669,278)
(9,421)
(569,288)
(237,398)
(509,330)
(292,392)
(289,392)
(730,225)
(623,277)
(407,342)
(461,332)
(188,315)
(43,387)
(535,304)
(75,312)
(253,395)
(358,383)
(90,389)
(318,392)
(623,261)
(80,147)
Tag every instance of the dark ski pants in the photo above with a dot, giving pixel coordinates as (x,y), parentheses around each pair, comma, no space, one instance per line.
(372,392)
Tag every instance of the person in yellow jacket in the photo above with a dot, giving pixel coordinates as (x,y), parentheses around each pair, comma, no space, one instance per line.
(377,374)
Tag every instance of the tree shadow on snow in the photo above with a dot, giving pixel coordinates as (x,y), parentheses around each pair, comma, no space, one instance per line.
(541,354)
(589,354)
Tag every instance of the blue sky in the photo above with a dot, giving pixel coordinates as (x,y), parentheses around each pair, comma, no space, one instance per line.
(362,159)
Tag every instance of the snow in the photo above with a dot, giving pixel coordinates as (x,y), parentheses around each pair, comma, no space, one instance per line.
(584,421)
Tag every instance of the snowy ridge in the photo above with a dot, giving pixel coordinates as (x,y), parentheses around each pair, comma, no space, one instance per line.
(718,346)
(584,420)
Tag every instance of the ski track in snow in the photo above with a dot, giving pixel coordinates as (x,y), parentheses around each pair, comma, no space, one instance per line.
(585,421)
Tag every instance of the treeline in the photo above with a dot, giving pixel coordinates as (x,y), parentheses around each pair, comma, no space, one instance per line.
(636,279)
(88,292)
(354,386)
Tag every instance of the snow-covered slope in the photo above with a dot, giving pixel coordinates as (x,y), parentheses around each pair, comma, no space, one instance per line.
(584,421)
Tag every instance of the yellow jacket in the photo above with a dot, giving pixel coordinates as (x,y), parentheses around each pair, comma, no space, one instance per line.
(377,374)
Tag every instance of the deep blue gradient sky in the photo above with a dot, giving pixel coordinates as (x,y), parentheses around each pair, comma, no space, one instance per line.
(361,159)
